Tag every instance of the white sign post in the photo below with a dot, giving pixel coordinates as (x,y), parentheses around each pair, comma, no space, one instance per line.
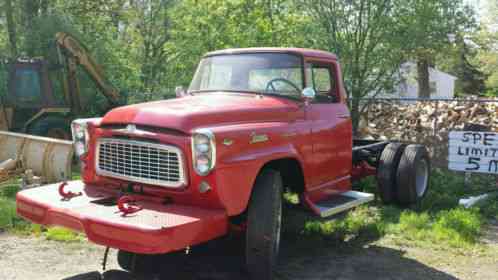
(472,151)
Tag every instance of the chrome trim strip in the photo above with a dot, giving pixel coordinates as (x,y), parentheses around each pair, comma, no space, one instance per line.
(181,162)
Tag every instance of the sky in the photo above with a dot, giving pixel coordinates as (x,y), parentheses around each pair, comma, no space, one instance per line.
(477,4)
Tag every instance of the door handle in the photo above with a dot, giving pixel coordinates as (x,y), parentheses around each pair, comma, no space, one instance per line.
(344,116)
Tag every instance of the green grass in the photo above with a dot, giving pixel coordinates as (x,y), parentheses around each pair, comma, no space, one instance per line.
(7,213)
(62,234)
(438,222)
(9,221)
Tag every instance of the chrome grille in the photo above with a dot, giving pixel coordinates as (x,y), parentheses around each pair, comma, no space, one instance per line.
(141,162)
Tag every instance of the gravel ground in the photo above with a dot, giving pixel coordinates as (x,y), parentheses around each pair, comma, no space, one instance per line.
(29,258)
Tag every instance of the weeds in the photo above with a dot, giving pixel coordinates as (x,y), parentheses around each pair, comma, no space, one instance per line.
(7,213)
(9,221)
(439,220)
(62,234)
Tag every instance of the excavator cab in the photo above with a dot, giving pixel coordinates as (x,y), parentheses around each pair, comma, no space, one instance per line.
(30,104)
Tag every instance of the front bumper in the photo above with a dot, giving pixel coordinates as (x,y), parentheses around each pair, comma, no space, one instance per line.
(156,229)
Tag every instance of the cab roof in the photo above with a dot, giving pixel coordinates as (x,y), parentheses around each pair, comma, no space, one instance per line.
(298,51)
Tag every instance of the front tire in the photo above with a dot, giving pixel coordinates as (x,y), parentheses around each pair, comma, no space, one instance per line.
(264,220)
(143,264)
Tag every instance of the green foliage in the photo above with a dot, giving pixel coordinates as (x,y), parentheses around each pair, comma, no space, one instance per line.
(8,217)
(7,213)
(458,226)
(9,190)
(62,234)
(149,47)
(361,220)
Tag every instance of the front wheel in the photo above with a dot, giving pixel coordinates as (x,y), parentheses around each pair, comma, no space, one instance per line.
(264,220)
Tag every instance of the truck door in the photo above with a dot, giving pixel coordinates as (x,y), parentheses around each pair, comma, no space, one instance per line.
(331,128)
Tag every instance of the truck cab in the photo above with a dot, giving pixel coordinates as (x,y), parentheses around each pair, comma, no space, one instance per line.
(163,176)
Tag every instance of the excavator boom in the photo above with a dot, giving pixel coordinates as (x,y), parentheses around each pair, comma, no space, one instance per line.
(76,53)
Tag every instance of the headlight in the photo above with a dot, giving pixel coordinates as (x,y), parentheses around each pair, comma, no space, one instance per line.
(79,129)
(203,151)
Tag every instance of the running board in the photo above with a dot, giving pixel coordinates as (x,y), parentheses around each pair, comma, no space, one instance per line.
(340,203)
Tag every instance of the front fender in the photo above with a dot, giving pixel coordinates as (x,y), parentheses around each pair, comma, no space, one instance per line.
(239,163)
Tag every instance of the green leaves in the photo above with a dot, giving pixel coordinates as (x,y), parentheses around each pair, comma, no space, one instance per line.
(147,47)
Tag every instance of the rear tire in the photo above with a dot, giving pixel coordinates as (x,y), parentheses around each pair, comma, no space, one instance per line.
(386,171)
(51,126)
(413,175)
(264,219)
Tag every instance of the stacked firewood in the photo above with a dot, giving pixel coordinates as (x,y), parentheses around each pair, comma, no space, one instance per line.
(426,123)
(407,121)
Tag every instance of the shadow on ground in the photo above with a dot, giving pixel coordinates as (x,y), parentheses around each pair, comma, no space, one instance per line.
(301,257)
(304,259)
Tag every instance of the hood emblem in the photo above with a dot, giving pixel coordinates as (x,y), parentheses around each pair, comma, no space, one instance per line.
(131,128)
(258,138)
(227,142)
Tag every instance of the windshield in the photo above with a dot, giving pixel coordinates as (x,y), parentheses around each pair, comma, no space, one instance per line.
(267,73)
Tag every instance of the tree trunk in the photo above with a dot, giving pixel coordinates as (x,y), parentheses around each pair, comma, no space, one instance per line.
(11,27)
(44,4)
(30,12)
(355,113)
(424,87)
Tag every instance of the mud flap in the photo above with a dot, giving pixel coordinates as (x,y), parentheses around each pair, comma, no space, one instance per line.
(157,228)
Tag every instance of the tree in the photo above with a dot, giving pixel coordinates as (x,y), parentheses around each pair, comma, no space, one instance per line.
(487,40)
(367,37)
(202,26)
(460,61)
(11,27)
(433,26)
(150,28)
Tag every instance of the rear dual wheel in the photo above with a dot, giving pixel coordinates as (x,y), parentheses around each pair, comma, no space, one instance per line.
(403,174)
(413,175)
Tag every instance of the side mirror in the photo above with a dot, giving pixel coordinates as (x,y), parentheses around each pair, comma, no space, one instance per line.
(180,91)
(308,93)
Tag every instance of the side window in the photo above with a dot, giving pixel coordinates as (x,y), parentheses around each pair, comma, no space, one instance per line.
(322,79)
(27,87)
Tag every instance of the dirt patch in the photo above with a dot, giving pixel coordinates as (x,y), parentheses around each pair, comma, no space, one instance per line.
(36,258)
(490,235)
(29,258)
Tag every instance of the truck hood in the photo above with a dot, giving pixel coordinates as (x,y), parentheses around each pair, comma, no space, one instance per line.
(205,110)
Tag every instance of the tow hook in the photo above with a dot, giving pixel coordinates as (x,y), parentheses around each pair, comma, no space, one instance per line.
(67,195)
(126,204)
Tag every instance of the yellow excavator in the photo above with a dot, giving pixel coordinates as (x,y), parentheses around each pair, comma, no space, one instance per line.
(33,106)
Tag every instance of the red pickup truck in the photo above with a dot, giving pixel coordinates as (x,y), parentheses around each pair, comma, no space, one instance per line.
(164,176)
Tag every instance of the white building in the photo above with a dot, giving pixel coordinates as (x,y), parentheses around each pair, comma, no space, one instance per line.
(442,84)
